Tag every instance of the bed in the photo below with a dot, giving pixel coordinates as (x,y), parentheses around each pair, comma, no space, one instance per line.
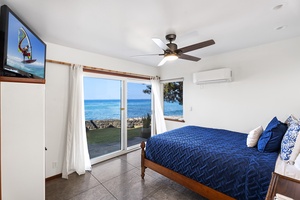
(215,163)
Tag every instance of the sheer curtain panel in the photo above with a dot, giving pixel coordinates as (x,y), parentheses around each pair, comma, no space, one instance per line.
(158,112)
(76,153)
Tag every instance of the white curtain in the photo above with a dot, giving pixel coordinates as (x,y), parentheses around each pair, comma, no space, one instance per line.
(76,158)
(158,112)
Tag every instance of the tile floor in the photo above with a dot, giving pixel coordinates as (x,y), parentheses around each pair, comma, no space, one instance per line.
(118,178)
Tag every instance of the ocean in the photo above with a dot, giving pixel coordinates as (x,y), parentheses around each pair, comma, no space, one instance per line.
(36,68)
(110,109)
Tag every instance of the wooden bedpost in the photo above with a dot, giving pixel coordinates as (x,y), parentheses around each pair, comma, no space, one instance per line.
(143,160)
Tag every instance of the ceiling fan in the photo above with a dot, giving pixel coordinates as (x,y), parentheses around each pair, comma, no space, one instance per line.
(171,52)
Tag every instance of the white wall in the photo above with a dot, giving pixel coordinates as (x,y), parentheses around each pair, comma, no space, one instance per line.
(264,76)
(57,88)
(66,54)
(266,84)
(22,141)
(57,94)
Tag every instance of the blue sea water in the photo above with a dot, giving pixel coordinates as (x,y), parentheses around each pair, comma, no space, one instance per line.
(36,68)
(110,109)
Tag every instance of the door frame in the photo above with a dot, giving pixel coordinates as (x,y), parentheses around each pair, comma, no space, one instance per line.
(124,80)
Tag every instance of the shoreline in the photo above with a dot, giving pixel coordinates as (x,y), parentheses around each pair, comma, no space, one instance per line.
(112,123)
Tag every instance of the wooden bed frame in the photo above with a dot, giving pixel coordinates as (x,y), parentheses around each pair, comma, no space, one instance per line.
(191,184)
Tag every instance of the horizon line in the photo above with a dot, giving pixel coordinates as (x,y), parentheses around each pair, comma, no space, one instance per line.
(115,99)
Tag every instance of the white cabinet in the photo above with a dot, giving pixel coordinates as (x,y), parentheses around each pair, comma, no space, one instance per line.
(23,141)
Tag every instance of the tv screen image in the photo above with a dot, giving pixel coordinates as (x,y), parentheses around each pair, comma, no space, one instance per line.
(24,52)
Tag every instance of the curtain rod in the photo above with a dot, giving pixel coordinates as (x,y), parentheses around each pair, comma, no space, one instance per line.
(58,62)
(104,71)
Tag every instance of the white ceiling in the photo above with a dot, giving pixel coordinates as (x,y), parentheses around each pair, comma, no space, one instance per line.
(123,29)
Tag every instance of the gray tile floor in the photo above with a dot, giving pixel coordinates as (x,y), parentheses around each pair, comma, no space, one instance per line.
(118,178)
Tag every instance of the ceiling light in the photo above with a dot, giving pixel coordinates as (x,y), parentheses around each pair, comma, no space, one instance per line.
(277,7)
(279,28)
(170,57)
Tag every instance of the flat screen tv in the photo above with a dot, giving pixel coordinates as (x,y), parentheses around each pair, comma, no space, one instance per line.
(23,53)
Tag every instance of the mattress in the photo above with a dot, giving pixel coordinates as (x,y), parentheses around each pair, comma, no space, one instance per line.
(285,169)
(216,158)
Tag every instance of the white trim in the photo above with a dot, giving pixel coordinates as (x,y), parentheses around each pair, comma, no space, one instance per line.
(112,155)
(172,80)
(162,82)
(124,116)
(95,75)
(124,83)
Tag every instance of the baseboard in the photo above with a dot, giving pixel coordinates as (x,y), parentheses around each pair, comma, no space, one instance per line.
(53,177)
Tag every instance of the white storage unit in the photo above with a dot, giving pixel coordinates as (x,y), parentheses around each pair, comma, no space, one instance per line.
(22,141)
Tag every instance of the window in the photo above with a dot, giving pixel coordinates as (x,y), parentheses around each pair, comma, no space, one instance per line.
(173,99)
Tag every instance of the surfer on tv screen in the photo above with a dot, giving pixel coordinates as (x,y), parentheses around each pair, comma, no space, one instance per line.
(23,39)
(25,52)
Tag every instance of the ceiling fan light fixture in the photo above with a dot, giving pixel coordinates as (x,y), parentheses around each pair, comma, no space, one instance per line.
(171,52)
(171,57)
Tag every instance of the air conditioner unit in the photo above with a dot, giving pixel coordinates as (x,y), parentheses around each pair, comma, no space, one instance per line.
(212,76)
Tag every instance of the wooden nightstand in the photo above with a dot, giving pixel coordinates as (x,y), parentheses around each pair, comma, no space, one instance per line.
(283,185)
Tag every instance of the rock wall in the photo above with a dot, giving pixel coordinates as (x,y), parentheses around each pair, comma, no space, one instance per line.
(99,124)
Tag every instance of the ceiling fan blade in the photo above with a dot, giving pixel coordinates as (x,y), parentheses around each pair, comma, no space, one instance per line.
(196,46)
(162,61)
(160,43)
(188,57)
(155,54)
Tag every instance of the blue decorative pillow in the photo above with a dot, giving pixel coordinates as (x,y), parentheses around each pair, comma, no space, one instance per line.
(289,140)
(291,119)
(270,140)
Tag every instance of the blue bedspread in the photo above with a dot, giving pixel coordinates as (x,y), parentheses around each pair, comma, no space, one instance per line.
(219,159)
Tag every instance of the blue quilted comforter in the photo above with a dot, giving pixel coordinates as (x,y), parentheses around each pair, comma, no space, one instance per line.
(219,159)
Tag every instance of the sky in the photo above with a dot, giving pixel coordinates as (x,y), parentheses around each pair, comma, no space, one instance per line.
(99,88)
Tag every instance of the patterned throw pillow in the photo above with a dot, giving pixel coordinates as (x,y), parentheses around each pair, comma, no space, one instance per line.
(289,140)
(291,119)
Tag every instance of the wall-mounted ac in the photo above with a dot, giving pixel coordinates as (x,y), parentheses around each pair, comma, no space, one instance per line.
(212,76)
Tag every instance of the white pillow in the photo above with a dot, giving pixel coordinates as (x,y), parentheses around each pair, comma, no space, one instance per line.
(297,162)
(253,136)
(296,150)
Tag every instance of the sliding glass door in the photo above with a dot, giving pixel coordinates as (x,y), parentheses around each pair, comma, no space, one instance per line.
(117,114)
(138,113)
(102,103)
